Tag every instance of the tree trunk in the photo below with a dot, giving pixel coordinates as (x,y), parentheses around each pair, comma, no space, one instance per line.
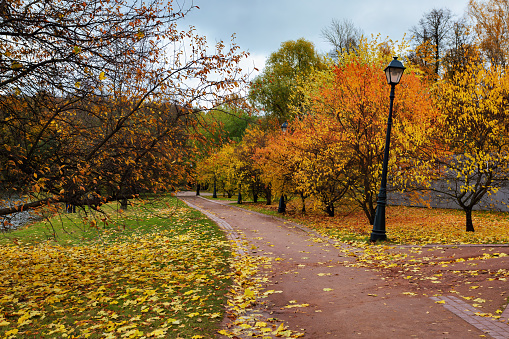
(369,214)
(469,224)
(329,208)
(255,194)
(303,199)
(239,198)
(268,195)
(123,204)
(197,189)
(282,205)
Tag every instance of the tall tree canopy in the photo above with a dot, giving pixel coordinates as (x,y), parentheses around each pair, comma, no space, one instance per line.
(273,90)
(343,35)
(96,97)
(432,38)
(472,137)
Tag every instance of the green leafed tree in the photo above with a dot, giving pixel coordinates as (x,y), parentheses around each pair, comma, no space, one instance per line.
(272,91)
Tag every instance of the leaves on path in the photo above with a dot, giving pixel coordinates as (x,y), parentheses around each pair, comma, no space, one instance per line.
(246,298)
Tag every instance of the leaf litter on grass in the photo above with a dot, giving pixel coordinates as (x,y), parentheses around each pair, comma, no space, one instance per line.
(165,281)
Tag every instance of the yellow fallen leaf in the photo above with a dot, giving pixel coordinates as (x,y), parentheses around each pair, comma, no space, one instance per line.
(158,332)
(248,293)
(297,305)
(11,332)
(279,329)
(328,289)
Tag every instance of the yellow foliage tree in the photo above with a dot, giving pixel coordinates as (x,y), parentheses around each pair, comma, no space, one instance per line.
(472,133)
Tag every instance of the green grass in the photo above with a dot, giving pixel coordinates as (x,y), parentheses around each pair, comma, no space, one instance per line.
(158,269)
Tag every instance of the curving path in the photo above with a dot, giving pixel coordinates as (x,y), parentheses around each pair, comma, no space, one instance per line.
(344,302)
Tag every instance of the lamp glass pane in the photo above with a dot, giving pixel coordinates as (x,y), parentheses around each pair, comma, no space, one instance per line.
(388,75)
(396,74)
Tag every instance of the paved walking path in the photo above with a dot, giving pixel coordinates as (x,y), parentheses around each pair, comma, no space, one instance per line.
(344,302)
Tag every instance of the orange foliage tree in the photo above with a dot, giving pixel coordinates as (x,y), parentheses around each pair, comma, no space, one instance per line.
(490,23)
(352,101)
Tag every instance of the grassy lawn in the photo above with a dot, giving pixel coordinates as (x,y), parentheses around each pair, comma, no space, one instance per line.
(157,270)
(404,225)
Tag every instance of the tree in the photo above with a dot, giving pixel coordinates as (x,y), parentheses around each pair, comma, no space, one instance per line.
(225,124)
(342,35)
(490,23)
(320,160)
(431,37)
(472,135)
(96,100)
(354,94)
(278,164)
(462,49)
(272,90)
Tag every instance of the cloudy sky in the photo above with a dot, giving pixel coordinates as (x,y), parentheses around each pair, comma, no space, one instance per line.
(262,25)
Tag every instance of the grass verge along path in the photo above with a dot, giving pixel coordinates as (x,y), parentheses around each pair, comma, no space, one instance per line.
(163,274)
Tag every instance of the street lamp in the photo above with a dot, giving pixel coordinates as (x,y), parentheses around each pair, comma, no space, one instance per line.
(284,127)
(393,72)
(282,206)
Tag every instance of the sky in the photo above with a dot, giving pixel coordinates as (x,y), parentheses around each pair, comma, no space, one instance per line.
(261,26)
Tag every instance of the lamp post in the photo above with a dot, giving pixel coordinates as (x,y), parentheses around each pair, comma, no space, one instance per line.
(282,206)
(393,72)
(284,127)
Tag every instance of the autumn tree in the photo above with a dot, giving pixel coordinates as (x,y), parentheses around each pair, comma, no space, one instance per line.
(320,161)
(490,23)
(278,164)
(355,94)
(272,90)
(97,101)
(224,124)
(431,38)
(472,132)
(462,48)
